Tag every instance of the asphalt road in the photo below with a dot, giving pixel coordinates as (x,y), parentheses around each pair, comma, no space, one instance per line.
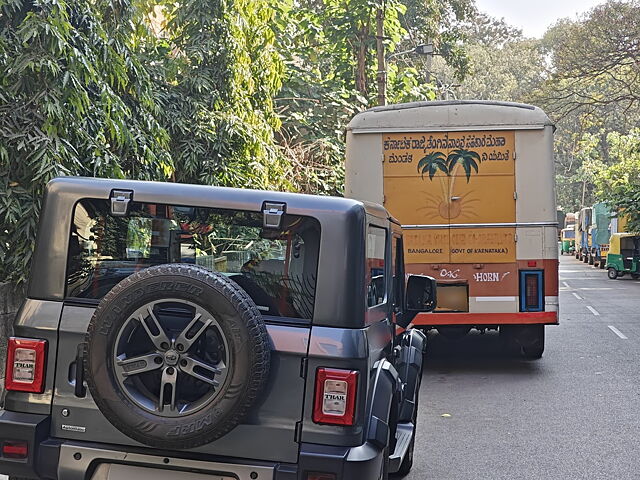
(574,414)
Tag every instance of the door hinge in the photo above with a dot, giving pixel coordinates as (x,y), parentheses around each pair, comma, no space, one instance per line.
(515,195)
(303,367)
(120,200)
(272,214)
(515,237)
(297,435)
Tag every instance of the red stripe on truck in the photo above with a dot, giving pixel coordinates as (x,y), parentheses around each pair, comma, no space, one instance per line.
(521,318)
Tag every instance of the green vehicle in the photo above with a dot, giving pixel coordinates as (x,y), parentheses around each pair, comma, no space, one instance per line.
(624,256)
(568,241)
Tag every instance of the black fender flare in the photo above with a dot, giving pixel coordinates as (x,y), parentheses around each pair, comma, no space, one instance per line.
(385,389)
(412,347)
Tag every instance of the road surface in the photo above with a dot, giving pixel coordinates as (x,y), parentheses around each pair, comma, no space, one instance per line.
(574,414)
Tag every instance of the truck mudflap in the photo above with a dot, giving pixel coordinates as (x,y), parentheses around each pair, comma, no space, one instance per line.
(519,318)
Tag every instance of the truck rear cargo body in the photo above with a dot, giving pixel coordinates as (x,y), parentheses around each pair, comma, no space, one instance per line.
(473,185)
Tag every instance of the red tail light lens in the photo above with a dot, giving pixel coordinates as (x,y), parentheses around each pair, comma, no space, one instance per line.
(531,291)
(321,476)
(25,365)
(335,398)
(15,449)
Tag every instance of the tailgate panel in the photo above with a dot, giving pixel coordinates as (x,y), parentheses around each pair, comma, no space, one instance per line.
(267,434)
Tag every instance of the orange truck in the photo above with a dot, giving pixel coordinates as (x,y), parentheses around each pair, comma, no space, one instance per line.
(472,183)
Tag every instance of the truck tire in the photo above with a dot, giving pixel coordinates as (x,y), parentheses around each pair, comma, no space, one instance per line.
(176,356)
(531,338)
(523,340)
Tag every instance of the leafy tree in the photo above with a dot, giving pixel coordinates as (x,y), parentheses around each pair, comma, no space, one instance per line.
(328,47)
(74,100)
(589,88)
(93,87)
(216,71)
(596,60)
(618,184)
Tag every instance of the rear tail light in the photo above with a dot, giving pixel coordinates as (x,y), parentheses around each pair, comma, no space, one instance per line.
(321,476)
(335,399)
(531,291)
(25,365)
(15,449)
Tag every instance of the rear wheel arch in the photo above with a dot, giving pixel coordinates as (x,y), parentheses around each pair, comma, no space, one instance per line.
(385,390)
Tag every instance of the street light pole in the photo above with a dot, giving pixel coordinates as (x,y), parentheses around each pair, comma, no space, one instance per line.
(426,49)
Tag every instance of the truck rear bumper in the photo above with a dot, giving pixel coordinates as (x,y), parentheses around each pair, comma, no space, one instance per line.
(521,318)
(56,459)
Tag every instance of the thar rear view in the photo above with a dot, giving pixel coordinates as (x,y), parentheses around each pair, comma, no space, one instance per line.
(206,333)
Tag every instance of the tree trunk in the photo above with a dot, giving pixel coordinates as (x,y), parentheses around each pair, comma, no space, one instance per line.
(382,67)
(361,60)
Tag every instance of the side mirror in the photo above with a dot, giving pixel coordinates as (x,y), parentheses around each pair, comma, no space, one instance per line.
(421,294)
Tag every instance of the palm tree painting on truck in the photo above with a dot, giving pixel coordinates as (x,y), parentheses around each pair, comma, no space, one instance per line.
(449,206)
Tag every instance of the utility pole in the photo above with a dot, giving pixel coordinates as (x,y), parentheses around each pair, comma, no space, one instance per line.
(382,67)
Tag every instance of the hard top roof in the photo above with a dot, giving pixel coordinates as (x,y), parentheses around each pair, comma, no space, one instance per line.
(206,195)
(449,115)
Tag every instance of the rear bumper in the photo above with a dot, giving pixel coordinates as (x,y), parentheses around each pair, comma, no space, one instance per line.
(57,459)
(521,318)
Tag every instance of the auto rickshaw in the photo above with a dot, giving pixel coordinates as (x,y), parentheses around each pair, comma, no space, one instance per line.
(624,256)
(568,239)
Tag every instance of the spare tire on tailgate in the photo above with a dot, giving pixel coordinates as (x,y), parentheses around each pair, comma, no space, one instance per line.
(176,356)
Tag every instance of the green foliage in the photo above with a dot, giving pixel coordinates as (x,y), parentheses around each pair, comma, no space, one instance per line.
(329,48)
(229,92)
(216,71)
(596,59)
(74,100)
(591,89)
(618,184)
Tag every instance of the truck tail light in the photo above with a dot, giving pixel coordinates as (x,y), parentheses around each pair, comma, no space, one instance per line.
(15,449)
(335,398)
(25,365)
(531,291)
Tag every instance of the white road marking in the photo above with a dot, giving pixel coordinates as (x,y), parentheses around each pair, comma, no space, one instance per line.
(566,284)
(601,288)
(617,332)
(593,310)
(577,296)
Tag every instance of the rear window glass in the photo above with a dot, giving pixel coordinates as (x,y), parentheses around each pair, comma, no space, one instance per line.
(277,268)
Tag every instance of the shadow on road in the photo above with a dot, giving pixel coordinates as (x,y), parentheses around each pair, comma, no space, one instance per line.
(474,353)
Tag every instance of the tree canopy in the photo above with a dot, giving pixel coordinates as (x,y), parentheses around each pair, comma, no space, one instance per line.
(239,93)
(257,94)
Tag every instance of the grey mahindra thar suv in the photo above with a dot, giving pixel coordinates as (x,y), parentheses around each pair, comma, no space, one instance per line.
(205,333)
